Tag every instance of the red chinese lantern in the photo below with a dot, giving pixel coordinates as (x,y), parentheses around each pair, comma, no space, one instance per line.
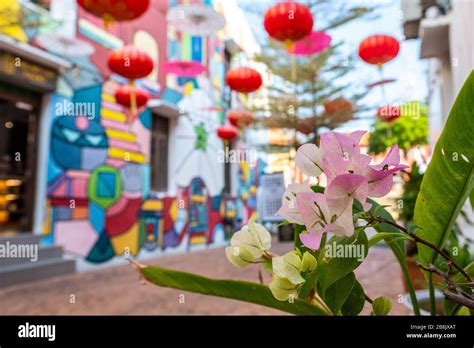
(338,106)
(288,22)
(240,118)
(131,63)
(115,10)
(378,49)
(226,132)
(306,126)
(123,96)
(388,113)
(244,80)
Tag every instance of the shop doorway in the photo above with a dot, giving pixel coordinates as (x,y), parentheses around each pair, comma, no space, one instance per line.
(18,157)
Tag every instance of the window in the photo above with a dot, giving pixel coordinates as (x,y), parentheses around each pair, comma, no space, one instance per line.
(159,154)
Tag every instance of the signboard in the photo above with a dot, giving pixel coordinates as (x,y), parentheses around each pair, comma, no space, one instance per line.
(272,189)
(23,72)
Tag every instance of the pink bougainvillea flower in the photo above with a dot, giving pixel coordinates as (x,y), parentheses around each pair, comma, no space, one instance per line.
(392,159)
(335,164)
(309,160)
(318,217)
(309,157)
(341,144)
(289,209)
(345,188)
(380,176)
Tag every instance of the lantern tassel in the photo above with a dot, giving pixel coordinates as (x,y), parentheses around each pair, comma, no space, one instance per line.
(108,21)
(133,97)
(289,45)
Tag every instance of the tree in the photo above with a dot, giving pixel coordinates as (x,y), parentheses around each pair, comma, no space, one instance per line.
(408,131)
(301,85)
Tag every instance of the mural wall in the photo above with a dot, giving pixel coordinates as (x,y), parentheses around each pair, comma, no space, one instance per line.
(100,204)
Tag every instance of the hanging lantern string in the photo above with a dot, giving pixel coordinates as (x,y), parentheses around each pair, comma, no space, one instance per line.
(384,98)
(382,85)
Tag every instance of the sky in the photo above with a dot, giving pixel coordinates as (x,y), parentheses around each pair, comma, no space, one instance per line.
(408,70)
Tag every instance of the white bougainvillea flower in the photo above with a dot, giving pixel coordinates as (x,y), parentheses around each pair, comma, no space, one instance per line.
(289,209)
(248,244)
(282,289)
(309,160)
(309,157)
(319,217)
(240,256)
(309,262)
(288,266)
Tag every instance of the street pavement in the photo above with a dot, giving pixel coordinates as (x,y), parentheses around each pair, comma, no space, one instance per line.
(118,290)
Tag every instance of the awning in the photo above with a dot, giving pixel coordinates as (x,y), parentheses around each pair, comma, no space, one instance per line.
(29,67)
(33,54)
(232,47)
(163,108)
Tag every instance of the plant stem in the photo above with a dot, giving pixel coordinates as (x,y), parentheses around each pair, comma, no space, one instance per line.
(452,291)
(321,246)
(400,256)
(432,294)
(319,301)
(368,299)
(411,288)
(428,244)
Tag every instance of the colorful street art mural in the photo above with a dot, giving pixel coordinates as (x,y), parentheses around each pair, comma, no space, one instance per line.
(249,179)
(100,204)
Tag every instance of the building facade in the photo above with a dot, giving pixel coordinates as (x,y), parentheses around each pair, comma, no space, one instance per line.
(446,31)
(108,183)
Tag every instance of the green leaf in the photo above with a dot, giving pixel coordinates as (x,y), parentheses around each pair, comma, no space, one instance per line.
(267,265)
(449,179)
(309,262)
(231,289)
(463,311)
(308,285)
(471,199)
(391,236)
(332,266)
(381,306)
(298,244)
(336,295)
(355,302)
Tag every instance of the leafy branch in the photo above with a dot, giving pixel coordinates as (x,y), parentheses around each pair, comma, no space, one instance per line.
(452,291)
(420,240)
